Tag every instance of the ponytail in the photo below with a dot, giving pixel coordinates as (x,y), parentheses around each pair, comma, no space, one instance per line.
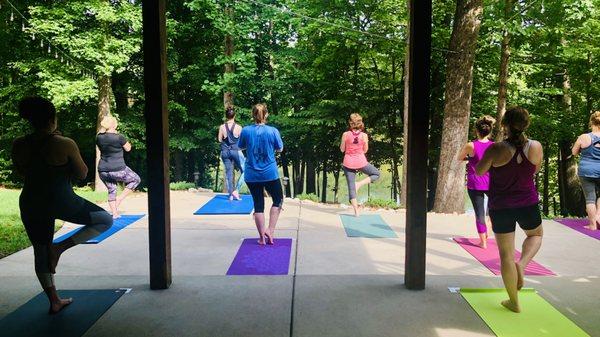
(516,121)
(260,113)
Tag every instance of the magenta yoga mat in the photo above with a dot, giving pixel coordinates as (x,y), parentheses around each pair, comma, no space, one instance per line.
(490,257)
(577,224)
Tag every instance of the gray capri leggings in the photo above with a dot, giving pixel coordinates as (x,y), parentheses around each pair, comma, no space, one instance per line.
(590,186)
(369,170)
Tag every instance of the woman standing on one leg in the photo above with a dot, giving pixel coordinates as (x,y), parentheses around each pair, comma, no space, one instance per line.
(48,161)
(478,186)
(229,135)
(261,142)
(111,167)
(588,145)
(514,199)
(354,145)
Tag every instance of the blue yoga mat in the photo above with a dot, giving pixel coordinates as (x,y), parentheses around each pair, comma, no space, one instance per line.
(118,224)
(367,226)
(220,204)
(32,319)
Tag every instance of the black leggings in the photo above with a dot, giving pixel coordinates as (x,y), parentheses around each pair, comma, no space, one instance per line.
(257,189)
(478,201)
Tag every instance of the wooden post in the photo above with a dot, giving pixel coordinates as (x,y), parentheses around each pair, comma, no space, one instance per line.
(157,142)
(416,156)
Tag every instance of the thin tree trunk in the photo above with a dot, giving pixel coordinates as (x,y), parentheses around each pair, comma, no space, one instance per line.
(449,196)
(546,202)
(588,85)
(302,173)
(286,174)
(405,112)
(178,163)
(229,69)
(104,105)
(324,184)
(310,177)
(504,60)
(336,185)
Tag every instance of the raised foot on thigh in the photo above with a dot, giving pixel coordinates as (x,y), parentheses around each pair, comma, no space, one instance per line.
(508,304)
(56,307)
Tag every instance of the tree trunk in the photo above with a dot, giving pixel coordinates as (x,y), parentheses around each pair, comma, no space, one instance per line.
(301,177)
(104,105)
(228,95)
(310,177)
(296,176)
(449,196)
(546,196)
(286,174)
(572,198)
(336,185)
(179,168)
(405,112)
(588,86)
(324,184)
(503,75)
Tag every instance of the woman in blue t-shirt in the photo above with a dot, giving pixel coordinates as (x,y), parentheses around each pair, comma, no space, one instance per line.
(261,142)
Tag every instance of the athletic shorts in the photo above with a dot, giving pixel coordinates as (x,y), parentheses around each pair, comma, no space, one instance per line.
(505,220)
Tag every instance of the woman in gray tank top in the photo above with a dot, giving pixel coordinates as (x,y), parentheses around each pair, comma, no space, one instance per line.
(229,135)
(588,146)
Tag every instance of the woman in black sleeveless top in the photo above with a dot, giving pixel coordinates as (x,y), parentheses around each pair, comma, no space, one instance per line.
(47,162)
(111,167)
(232,156)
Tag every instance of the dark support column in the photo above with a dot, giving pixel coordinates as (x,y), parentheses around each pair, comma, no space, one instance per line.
(416,156)
(157,142)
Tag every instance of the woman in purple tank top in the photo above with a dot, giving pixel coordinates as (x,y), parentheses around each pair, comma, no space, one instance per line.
(512,165)
(478,186)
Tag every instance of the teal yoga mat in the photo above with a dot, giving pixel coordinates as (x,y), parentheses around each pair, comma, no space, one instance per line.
(366,226)
(32,319)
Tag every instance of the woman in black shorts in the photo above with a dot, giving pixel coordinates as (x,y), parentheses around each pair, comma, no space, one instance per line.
(111,167)
(513,198)
(48,161)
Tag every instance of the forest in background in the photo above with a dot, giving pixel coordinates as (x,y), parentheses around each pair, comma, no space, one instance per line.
(313,62)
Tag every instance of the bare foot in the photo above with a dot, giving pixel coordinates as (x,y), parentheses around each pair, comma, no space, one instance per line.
(236,195)
(483,244)
(508,304)
(116,215)
(56,307)
(591,228)
(261,241)
(520,277)
(269,237)
(53,257)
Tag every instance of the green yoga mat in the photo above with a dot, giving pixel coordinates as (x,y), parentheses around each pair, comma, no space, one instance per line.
(537,317)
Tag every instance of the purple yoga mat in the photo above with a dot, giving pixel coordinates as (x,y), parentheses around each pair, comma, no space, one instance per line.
(490,257)
(255,259)
(577,224)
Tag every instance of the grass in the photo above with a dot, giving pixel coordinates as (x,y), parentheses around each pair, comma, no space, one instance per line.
(12,233)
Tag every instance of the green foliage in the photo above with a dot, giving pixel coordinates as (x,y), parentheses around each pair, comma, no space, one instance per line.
(381,203)
(181,186)
(310,197)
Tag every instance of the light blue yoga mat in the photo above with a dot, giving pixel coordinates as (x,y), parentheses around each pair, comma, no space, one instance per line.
(221,205)
(118,224)
(367,226)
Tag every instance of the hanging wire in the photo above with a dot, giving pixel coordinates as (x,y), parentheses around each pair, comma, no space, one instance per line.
(14,9)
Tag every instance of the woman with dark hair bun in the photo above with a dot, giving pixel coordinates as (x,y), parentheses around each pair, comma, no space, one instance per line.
(48,162)
(478,186)
(232,156)
(514,199)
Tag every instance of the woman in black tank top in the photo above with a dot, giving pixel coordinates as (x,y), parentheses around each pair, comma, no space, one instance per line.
(111,167)
(229,134)
(47,161)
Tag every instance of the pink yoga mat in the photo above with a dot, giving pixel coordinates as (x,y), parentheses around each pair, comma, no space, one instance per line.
(577,224)
(490,257)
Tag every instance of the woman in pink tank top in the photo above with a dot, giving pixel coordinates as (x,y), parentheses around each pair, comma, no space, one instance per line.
(512,165)
(354,145)
(478,186)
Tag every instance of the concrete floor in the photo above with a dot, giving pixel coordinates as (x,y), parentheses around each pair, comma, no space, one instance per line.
(337,286)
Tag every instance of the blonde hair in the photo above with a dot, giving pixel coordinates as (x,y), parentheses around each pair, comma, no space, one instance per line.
(106,123)
(356,122)
(595,119)
(260,113)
